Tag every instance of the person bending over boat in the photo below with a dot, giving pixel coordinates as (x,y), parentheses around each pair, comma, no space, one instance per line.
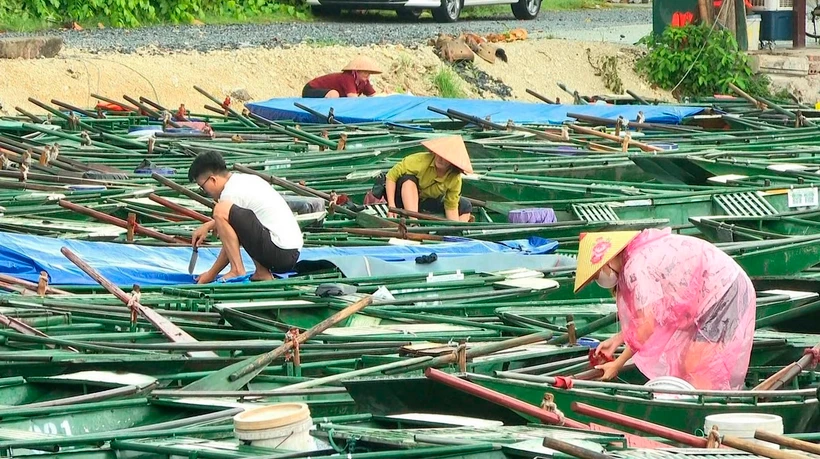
(430,181)
(250,214)
(352,81)
(685,307)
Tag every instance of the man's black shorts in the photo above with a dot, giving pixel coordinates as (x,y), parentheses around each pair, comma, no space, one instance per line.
(255,239)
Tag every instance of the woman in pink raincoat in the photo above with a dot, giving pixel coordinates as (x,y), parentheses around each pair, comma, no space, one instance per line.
(686,308)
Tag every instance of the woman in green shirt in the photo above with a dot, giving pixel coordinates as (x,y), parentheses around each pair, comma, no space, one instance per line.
(431,181)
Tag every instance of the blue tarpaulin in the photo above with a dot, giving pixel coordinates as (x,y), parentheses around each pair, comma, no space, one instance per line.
(401,108)
(24,256)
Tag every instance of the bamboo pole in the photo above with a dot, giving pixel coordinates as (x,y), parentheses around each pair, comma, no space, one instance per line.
(573,450)
(756,448)
(791,443)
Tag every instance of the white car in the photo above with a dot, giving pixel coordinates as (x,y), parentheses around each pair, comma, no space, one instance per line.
(443,10)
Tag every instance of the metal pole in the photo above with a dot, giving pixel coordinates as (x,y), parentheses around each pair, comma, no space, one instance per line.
(139,229)
(179,209)
(500,399)
(638,424)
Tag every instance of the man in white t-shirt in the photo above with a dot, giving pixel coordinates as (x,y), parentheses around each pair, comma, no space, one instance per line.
(248,213)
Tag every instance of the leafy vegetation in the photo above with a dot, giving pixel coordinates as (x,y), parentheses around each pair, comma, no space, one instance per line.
(697,61)
(32,14)
(447,83)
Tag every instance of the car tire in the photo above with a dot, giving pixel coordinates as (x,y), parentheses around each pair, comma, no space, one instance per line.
(325,11)
(449,11)
(409,13)
(526,10)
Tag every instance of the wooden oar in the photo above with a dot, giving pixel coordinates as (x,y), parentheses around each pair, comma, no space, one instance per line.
(791,443)
(235,376)
(604,135)
(758,449)
(168,328)
(787,373)
(572,450)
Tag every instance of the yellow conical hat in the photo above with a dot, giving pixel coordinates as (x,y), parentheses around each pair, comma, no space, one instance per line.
(595,250)
(452,149)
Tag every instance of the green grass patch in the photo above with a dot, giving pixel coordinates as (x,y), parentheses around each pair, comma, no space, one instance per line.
(448,84)
(297,15)
(25,24)
(570,4)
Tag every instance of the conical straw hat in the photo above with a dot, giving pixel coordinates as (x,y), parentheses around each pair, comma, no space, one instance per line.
(595,250)
(452,149)
(363,64)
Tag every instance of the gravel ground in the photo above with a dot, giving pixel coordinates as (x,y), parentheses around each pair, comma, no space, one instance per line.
(349,30)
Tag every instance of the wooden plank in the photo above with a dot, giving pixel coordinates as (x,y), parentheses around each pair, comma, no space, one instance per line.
(168,328)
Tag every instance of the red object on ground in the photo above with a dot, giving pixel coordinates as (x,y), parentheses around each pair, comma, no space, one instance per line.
(110,107)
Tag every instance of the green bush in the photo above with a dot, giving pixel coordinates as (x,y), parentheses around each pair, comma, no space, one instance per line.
(133,13)
(697,61)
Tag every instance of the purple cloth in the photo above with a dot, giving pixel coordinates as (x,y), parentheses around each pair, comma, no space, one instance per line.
(538,215)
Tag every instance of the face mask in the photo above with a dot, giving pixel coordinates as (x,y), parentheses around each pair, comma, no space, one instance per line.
(607,280)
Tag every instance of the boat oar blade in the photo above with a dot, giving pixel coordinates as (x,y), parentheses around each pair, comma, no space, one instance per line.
(236,376)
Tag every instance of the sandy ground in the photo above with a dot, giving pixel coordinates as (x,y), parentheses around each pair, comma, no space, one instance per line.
(281,72)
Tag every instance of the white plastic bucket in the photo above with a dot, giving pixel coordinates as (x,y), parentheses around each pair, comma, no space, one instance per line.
(743,425)
(753,31)
(670,382)
(283,426)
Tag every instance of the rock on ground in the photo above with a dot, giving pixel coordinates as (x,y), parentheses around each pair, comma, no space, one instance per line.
(29,47)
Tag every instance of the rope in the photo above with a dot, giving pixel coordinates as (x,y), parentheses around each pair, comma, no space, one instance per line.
(815,356)
(291,335)
(706,42)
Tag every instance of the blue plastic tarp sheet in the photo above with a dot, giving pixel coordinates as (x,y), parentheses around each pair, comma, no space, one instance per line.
(401,108)
(24,256)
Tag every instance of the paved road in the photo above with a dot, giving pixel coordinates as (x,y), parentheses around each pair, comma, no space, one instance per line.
(624,24)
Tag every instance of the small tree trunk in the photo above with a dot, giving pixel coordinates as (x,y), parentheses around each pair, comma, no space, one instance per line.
(706,11)
(726,16)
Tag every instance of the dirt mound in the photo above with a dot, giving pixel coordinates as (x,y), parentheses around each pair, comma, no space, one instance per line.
(282,72)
